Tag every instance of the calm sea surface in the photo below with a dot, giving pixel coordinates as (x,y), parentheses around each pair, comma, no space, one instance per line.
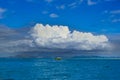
(65,69)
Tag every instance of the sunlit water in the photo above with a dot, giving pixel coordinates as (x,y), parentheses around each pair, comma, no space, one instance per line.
(65,69)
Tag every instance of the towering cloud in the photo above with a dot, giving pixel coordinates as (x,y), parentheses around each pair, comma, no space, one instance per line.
(62,38)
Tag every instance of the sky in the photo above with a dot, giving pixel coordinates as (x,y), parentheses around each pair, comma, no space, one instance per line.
(55,26)
(101,16)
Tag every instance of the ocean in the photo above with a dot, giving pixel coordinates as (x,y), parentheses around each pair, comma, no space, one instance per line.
(65,69)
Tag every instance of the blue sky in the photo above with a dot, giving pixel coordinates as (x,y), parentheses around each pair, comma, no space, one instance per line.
(100,16)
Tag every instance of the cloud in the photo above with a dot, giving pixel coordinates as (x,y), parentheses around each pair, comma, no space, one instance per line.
(53,15)
(2,10)
(61,7)
(116,20)
(61,37)
(115,12)
(73,5)
(45,40)
(90,2)
(44,12)
(49,1)
(5,31)
(112,16)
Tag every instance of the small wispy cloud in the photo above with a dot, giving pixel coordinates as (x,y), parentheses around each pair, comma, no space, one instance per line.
(61,7)
(73,5)
(115,12)
(115,20)
(2,11)
(90,2)
(112,16)
(49,1)
(53,15)
(44,12)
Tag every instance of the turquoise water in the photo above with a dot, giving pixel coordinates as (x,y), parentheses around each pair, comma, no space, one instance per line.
(65,69)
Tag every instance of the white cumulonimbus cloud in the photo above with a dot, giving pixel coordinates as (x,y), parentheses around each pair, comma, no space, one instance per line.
(62,38)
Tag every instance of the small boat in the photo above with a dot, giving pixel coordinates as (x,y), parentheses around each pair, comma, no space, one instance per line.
(58,58)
